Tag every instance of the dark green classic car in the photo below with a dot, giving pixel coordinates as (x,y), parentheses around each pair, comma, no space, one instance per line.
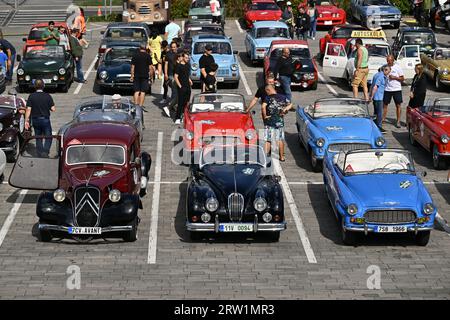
(51,63)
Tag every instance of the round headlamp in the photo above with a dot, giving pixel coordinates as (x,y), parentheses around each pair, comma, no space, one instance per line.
(260,204)
(55,78)
(189,135)
(157,16)
(444,72)
(103,75)
(206,217)
(114,195)
(212,204)
(234,67)
(320,142)
(59,195)
(62,71)
(428,208)
(380,141)
(250,134)
(194,67)
(444,139)
(132,16)
(267,217)
(352,209)
(20,72)
(27,78)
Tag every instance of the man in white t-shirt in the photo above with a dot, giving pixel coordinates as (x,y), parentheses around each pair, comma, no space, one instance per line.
(215,11)
(172,31)
(393,88)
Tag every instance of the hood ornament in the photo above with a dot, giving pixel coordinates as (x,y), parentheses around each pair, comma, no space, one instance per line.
(101,173)
(248,171)
(334,128)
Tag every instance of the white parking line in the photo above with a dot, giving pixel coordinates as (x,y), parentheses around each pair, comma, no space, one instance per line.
(153,236)
(239,26)
(12,214)
(294,211)
(327,84)
(244,80)
(86,75)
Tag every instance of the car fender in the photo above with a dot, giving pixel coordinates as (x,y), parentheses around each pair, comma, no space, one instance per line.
(9,135)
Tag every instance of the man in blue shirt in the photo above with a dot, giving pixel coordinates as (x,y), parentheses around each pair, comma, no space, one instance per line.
(4,61)
(377,93)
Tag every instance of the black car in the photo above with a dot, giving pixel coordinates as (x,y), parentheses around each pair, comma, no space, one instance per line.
(232,189)
(197,29)
(51,63)
(114,67)
(421,36)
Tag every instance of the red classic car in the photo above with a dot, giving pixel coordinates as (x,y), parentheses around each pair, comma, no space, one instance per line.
(429,126)
(261,10)
(35,34)
(93,176)
(305,68)
(339,34)
(216,118)
(329,12)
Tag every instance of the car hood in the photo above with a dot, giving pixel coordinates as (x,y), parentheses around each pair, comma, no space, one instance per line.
(444,123)
(41,65)
(230,178)
(116,67)
(102,175)
(346,128)
(382,9)
(265,42)
(218,121)
(386,190)
(327,9)
(375,62)
(443,63)
(221,59)
(263,14)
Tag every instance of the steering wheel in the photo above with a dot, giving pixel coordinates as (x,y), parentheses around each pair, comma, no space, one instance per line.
(395,166)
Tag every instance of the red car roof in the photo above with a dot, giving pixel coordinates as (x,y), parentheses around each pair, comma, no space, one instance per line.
(288,42)
(100,132)
(45,24)
(263,1)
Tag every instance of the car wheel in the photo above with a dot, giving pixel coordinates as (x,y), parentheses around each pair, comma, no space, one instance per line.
(422,238)
(44,236)
(315,163)
(437,82)
(12,155)
(273,236)
(438,161)
(195,236)
(65,88)
(349,238)
(411,136)
(132,235)
(314,86)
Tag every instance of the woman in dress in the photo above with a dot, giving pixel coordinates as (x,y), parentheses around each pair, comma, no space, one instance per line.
(418,88)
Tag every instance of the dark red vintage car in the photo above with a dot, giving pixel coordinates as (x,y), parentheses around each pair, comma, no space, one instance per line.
(94,177)
(305,68)
(329,12)
(12,124)
(216,118)
(339,34)
(429,126)
(261,10)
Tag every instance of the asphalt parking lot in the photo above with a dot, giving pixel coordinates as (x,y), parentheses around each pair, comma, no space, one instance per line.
(309,262)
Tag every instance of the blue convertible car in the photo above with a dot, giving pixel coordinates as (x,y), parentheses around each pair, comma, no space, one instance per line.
(223,54)
(259,38)
(378,190)
(335,125)
(375,13)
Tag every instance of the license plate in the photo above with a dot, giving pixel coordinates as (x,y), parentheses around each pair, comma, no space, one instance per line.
(328,22)
(235,227)
(390,229)
(47,81)
(220,79)
(85,230)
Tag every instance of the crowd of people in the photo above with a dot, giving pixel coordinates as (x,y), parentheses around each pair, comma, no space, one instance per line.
(304,25)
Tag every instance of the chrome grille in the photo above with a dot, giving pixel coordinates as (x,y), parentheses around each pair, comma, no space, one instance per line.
(390,216)
(235,206)
(144,10)
(87,206)
(338,147)
(203,16)
(223,72)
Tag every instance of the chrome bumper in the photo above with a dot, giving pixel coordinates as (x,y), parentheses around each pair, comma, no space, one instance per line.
(366,229)
(214,227)
(7,149)
(52,227)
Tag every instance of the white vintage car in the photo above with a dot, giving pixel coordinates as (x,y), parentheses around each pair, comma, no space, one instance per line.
(2,164)
(339,60)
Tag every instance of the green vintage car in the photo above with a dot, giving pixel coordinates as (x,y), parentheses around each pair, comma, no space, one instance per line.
(51,63)
(437,67)
(200,12)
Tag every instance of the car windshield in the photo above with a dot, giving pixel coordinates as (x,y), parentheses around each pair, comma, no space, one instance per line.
(36,33)
(335,108)
(217,103)
(118,32)
(323,2)
(194,31)
(376,50)
(120,53)
(217,47)
(272,33)
(295,53)
(420,38)
(37,52)
(116,104)
(241,154)
(376,162)
(98,154)
(376,3)
(442,54)
(441,108)
(264,6)
(343,33)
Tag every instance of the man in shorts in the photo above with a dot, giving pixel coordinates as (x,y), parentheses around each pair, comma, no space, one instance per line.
(393,89)
(140,74)
(361,69)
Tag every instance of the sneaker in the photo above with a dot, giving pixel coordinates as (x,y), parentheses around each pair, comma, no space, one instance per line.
(163,101)
(166,111)
(314,38)
(178,121)
(397,125)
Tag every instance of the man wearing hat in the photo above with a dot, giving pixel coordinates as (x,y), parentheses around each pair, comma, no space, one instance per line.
(205,63)
(116,101)
(77,53)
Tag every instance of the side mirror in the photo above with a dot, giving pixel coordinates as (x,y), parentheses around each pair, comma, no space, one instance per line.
(19,58)
(235,52)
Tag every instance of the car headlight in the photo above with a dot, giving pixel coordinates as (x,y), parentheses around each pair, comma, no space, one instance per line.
(55,78)
(194,67)
(114,195)
(103,75)
(59,195)
(62,71)
(189,135)
(444,72)
(125,14)
(212,204)
(444,139)
(260,204)
(320,142)
(206,217)
(20,72)
(380,141)
(267,217)
(1,127)
(27,78)
(193,17)
(132,16)
(352,209)
(397,16)
(234,67)
(250,134)
(428,208)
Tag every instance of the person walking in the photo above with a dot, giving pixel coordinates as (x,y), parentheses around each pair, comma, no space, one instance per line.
(77,53)
(393,88)
(434,8)
(361,69)
(283,72)
(154,42)
(377,94)
(169,68)
(164,50)
(302,24)
(80,24)
(261,92)
(51,35)
(273,110)
(417,11)
(426,5)
(4,61)
(418,88)
(205,63)
(288,18)
(172,31)
(215,11)
(184,84)
(140,74)
(39,106)
(10,51)
(313,14)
